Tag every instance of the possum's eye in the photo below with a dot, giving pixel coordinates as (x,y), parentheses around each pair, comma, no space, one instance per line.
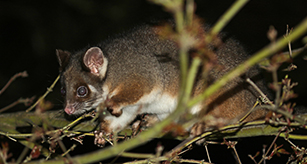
(82,91)
(63,91)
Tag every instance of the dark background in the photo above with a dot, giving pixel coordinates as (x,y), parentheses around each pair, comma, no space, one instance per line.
(30,31)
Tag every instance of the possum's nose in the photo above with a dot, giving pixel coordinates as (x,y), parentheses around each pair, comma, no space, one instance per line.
(70,109)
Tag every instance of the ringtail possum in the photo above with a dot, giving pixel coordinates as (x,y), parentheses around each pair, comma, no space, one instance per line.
(138,72)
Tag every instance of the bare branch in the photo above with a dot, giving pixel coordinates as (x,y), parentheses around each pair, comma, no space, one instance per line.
(20,74)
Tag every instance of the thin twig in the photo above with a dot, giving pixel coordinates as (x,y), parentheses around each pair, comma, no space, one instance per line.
(25,101)
(207,151)
(23,154)
(264,97)
(289,43)
(231,144)
(67,127)
(252,158)
(267,100)
(189,12)
(62,146)
(69,150)
(46,93)
(191,161)
(277,88)
(190,147)
(237,155)
(20,74)
(137,155)
(163,158)
(263,152)
(264,156)
(291,143)
(225,18)
(249,112)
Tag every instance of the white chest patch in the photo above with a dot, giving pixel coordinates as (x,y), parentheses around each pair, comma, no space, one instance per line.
(160,104)
(156,103)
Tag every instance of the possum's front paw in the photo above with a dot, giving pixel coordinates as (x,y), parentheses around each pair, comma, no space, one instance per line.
(101,138)
(103,135)
(114,109)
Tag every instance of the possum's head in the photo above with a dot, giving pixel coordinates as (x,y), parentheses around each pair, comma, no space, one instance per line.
(82,75)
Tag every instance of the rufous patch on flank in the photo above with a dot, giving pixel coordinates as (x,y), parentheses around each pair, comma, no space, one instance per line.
(130,91)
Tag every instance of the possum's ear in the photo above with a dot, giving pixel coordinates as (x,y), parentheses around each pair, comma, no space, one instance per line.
(95,61)
(63,58)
